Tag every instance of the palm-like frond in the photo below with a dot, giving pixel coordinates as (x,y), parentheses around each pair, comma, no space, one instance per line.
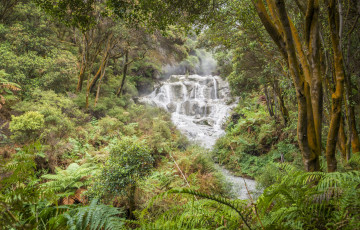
(67,181)
(93,217)
(310,199)
(202,214)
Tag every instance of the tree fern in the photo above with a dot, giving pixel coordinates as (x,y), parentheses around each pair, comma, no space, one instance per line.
(65,182)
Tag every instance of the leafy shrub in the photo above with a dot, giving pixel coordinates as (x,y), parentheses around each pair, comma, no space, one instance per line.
(129,161)
(19,187)
(109,125)
(119,113)
(60,113)
(27,126)
(160,140)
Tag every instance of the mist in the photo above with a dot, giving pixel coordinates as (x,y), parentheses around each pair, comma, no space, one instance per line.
(201,63)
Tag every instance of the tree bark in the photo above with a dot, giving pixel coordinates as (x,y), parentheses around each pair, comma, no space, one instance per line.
(99,84)
(283,109)
(83,65)
(307,142)
(308,90)
(132,204)
(125,69)
(342,141)
(101,69)
(268,102)
(339,87)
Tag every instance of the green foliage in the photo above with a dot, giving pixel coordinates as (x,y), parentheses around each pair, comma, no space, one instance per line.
(59,112)
(31,53)
(129,161)
(74,13)
(19,191)
(109,125)
(212,213)
(6,87)
(311,200)
(95,216)
(27,126)
(65,182)
(255,140)
(160,140)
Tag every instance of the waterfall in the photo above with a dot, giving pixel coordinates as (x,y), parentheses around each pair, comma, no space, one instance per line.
(198,105)
(215,88)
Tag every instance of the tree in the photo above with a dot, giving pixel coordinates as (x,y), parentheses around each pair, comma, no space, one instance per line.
(6,8)
(303,56)
(253,63)
(130,161)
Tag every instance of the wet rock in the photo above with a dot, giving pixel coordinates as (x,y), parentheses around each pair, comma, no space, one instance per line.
(206,121)
(171,107)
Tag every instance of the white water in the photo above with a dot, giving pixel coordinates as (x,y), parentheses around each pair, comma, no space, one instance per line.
(199,106)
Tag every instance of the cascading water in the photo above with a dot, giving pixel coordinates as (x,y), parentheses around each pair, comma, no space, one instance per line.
(199,106)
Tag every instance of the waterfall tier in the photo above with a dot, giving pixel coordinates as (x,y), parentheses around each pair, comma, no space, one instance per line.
(198,105)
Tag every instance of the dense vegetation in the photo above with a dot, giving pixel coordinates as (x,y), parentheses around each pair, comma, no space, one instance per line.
(78,151)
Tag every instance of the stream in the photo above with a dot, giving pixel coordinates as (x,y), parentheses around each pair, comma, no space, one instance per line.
(199,105)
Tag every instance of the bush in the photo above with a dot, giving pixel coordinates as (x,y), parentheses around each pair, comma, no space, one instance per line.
(27,126)
(129,161)
(109,125)
(60,112)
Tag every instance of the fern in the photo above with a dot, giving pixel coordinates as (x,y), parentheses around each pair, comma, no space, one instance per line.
(93,217)
(200,214)
(65,182)
(308,200)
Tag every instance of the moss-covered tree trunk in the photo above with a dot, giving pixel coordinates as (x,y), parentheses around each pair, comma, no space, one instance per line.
(337,96)
(342,140)
(91,82)
(305,73)
(125,69)
(284,111)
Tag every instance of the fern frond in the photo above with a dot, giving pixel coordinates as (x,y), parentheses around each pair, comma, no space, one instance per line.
(233,204)
(95,216)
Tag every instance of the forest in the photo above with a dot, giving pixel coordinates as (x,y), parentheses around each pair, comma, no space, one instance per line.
(179,114)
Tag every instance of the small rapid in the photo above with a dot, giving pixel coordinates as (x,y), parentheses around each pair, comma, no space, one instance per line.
(199,106)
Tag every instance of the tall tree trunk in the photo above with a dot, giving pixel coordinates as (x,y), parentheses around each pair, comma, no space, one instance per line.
(268,102)
(84,62)
(339,87)
(353,134)
(125,69)
(99,84)
(342,141)
(81,77)
(283,109)
(283,32)
(132,205)
(306,127)
(313,42)
(103,64)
